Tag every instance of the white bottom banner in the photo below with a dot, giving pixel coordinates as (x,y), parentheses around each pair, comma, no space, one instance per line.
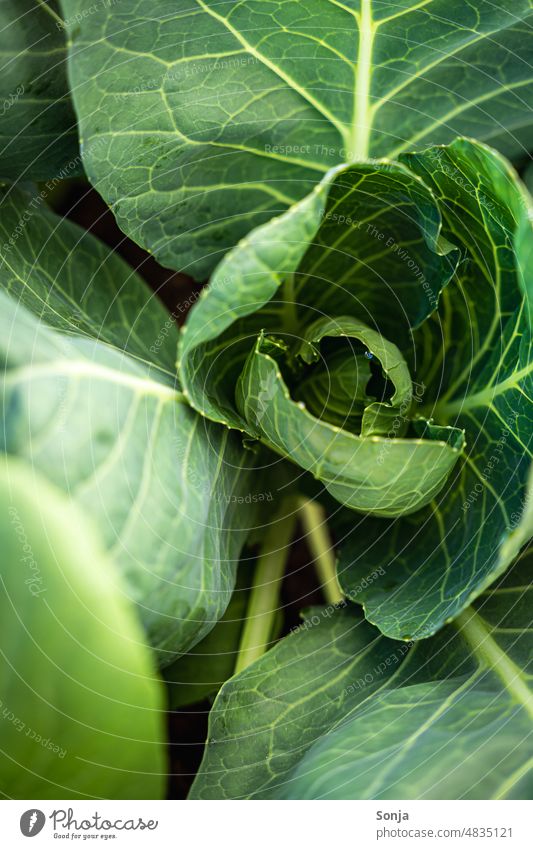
(415,825)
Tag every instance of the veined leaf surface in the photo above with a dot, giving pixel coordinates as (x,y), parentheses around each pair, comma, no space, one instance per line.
(77,285)
(165,488)
(201,120)
(338,711)
(476,365)
(38,132)
(90,398)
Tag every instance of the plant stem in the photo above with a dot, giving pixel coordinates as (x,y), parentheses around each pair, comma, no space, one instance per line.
(290,311)
(46,8)
(264,596)
(314,521)
(475,631)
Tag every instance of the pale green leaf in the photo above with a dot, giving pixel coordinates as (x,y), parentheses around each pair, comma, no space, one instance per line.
(166,488)
(82,709)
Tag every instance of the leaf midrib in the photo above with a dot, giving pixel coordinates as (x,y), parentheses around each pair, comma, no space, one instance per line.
(359,139)
(485,397)
(357,136)
(483,645)
(86,369)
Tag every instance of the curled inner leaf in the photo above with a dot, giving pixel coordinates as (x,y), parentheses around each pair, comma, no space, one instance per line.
(382,474)
(364,386)
(303,338)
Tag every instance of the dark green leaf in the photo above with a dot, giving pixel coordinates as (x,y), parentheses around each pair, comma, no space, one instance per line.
(77,285)
(38,133)
(202,120)
(467,344)
(338,711)
(476,365)
(339,252)
(272,282)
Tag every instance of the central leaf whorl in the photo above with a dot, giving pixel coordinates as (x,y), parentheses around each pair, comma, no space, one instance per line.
(344,373)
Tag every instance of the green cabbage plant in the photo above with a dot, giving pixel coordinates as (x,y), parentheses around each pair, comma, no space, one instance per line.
(353,385)
(378,334)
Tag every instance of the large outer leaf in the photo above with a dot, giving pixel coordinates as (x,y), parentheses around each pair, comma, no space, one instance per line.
(77,285)
(477,367)
(162,484)
(38,133)
(82,712)
(200,120)
(336,710)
